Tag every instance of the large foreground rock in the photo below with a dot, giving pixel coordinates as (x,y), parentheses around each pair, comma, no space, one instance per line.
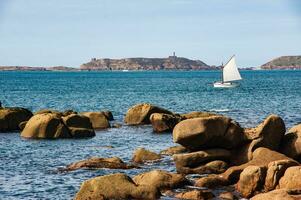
(208,132)
(291,178)
(267,134)
(162,122)
(98,119)
(47,126)
(160,179)
(261,157)
(291,143)
(10,118)
(115,186)
(280,194)
(97,163)
(140,113)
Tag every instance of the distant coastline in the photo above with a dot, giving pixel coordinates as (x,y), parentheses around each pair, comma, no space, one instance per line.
(171,63)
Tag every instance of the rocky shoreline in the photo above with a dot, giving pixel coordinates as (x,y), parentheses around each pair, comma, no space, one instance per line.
(213,153)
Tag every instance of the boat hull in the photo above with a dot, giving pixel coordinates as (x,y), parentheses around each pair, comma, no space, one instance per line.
(225,85)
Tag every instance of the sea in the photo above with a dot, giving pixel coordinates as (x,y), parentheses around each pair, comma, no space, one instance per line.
(29,168)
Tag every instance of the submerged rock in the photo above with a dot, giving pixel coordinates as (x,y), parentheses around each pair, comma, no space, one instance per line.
(116,125)
(96,163)
(115,186)
(208,132)
(10,118)
(140,113)
(98,120)
(142,155)
(161,179)
(162,122)
(47,125)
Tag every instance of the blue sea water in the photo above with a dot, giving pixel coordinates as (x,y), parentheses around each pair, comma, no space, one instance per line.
(28,168)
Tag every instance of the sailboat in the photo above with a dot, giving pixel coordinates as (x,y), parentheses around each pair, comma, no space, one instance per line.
(230,73)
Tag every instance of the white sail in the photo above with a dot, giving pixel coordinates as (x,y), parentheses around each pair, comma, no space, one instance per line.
(230,71)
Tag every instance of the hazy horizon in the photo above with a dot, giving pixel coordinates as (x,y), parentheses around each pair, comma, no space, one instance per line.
(69,33)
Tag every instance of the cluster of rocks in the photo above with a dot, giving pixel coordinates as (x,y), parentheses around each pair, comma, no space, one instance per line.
(260,162)
(51,124)
(162,120)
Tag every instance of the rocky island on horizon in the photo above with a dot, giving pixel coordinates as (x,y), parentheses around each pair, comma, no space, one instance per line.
(170,63)
(141,63)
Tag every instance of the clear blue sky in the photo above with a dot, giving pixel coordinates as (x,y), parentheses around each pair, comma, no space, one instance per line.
(70,32)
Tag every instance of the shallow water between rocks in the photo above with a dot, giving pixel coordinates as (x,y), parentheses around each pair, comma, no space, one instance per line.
(28,168)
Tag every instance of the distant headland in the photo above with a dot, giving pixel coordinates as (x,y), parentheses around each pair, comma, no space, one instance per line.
(284,62)
(169,63)
(28,68)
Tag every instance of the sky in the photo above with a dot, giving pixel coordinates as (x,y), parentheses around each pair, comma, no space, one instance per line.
(71,32)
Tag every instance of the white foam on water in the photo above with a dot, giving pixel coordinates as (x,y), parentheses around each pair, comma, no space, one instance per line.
(220,110)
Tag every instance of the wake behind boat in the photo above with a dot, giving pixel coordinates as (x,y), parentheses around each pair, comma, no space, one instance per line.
(230,73)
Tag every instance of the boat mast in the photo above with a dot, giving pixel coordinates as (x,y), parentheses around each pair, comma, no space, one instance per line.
(222,72)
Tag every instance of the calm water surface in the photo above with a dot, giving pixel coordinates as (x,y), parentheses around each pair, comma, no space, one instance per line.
(28,167)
